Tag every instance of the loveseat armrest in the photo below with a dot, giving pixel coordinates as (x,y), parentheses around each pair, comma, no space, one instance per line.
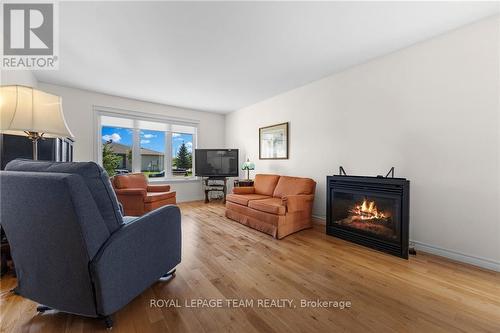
(244,190)
(158,188)
(131,191)
(298,203)
(135,257)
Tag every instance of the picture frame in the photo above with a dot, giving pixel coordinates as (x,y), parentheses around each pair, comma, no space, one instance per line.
(274,142)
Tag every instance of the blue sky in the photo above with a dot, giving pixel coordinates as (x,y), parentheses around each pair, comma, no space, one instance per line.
(178,139)
(154,140)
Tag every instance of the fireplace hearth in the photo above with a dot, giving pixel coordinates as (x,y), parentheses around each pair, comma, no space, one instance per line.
(371,211)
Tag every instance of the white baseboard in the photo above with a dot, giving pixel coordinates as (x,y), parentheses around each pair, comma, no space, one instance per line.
(450,254)
(458,256)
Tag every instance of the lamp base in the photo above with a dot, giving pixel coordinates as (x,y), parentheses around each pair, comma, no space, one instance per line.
(34,137)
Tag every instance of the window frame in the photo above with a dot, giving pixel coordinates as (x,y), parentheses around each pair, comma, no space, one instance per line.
(136,116)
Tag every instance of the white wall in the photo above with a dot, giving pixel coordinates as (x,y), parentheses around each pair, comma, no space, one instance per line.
(430,110)
(21,77)
(78,107)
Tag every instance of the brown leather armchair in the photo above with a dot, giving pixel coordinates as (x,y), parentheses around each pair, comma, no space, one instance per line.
(138,197)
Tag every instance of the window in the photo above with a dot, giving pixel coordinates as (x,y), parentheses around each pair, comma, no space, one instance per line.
(159,149)
(182,154)
(117,141)
(153,153)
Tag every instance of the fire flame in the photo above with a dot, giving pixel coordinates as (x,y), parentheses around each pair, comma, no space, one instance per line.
(368,211)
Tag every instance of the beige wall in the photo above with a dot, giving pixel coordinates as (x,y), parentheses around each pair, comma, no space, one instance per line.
(21,77)
(78,108)
(430,110)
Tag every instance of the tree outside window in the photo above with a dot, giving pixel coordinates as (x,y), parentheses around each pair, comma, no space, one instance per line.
(182,154)
(116,145)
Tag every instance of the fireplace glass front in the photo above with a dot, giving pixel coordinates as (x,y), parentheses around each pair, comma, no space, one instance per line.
(374,215)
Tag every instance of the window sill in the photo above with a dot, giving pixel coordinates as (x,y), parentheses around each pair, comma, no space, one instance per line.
(173,180)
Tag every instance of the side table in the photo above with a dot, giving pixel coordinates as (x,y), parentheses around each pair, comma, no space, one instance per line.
(243,182)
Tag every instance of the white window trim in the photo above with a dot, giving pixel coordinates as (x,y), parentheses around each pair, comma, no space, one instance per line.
(99,111)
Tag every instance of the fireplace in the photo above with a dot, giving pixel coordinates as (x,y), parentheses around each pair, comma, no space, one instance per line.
(371,211)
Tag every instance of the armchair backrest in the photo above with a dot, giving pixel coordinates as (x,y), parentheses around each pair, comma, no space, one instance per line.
(54,229)
(131,180)
(294,186)
(265,184)
(95,178)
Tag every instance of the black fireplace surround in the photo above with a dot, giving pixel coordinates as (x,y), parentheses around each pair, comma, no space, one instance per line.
(371,211)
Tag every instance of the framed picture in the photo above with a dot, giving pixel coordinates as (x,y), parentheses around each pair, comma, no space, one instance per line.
(273,142)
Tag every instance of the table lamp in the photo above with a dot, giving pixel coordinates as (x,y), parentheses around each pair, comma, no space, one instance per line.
(248,166)
(33,113)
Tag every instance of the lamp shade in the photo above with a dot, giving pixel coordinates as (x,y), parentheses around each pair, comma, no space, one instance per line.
(24,109)
(248,165)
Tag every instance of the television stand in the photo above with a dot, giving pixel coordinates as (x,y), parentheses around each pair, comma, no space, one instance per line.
(213,184)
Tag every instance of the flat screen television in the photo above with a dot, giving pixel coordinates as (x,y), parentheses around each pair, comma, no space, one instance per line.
(216,163)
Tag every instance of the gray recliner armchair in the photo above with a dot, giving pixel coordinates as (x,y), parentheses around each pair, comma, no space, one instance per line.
(72,249)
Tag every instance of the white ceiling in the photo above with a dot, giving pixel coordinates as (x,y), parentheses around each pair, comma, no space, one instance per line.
(224,56)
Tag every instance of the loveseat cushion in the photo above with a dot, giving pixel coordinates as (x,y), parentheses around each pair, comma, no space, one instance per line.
(95,178)
(244,190)
(265,184)
(270,205)
(294,186)
(243,199)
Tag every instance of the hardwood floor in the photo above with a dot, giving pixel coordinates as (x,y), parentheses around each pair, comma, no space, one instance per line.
(225,260)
